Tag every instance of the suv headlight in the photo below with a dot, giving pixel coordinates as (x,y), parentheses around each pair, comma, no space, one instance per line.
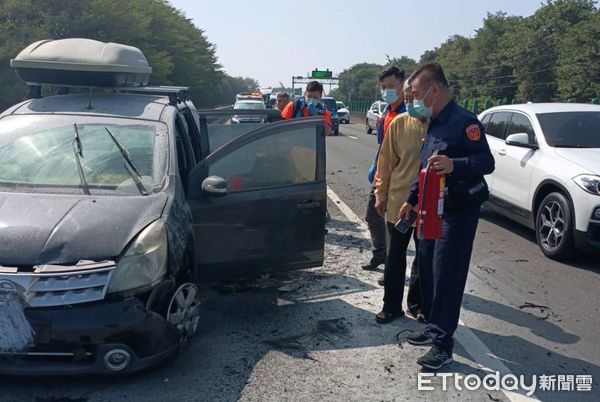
(589,183)
(144,262)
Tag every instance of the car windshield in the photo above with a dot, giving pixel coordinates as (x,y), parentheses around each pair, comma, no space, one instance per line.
(41,154)
(340,105)
(571,129)
(249,105)
(329,104)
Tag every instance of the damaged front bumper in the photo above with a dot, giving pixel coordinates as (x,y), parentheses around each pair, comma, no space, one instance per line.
(77,330)
(93,338)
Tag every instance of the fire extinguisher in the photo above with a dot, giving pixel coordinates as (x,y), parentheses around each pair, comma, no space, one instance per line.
(431,204)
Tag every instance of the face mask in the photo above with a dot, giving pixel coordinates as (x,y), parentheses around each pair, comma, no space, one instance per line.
(389,95)
(312,101)
(418,109)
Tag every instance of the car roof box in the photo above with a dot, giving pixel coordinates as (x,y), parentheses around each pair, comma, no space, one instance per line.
(81,62)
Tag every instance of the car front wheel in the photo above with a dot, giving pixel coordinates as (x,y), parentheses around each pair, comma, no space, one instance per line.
(369,129)
(554,227)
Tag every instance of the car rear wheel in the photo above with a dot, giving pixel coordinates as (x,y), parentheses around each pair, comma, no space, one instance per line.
(554,227)
(369,129)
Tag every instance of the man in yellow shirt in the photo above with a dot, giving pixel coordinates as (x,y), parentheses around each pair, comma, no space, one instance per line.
(397,169)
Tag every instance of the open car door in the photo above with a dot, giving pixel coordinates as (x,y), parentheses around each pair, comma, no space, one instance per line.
(259,201)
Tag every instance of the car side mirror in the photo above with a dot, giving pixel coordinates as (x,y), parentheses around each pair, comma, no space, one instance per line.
(520,140)
(215,185)
(376,111)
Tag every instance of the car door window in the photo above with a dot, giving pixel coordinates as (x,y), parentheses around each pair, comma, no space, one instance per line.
(374,108)
(288,158)
(485,120)
(496,127)
(519,123)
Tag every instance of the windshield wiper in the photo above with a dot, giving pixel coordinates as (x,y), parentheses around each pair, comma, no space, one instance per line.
(78,150)
(129,166)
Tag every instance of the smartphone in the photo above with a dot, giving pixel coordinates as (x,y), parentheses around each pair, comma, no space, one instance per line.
(403,225)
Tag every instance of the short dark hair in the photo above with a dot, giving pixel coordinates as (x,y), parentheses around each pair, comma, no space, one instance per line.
(283,94)
(393,70)
(314,86)
(434,73)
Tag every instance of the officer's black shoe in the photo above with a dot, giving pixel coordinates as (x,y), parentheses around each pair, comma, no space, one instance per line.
(372,265)
(383,317)
(435,359)
(420,339)
(381,281)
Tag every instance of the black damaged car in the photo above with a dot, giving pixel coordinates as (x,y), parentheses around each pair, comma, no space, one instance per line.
(113,204)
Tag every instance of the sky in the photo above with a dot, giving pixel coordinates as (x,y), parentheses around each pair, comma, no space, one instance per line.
(271,41)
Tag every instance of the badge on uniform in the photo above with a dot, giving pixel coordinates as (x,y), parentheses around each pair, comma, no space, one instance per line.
(473,132)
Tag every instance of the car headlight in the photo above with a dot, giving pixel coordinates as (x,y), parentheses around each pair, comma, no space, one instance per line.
(589,183)
(144,262)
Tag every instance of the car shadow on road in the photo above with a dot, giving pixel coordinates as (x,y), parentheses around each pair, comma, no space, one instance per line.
(586,261)
(346,234)
(338,235)
(527,315)
(345,225)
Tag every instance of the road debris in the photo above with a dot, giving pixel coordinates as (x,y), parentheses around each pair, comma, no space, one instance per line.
(331,331)
(542,309)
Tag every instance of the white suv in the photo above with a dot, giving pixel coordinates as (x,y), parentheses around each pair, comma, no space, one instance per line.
(548,172)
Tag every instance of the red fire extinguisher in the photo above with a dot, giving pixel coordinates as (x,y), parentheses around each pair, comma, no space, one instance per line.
(431,204)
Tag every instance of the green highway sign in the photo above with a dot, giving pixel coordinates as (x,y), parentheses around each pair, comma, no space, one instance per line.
(321,74)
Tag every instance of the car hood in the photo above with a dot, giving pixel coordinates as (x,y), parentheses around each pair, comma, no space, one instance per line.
(62,229)
(343,110)
(587,158)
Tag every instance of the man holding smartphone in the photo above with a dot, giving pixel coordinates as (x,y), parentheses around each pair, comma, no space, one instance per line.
(397,168)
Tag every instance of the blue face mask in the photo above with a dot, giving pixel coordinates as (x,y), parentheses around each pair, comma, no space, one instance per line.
(418,109)
(389,95)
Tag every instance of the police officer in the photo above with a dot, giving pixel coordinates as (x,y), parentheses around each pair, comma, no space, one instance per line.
(391,81)
(454,145)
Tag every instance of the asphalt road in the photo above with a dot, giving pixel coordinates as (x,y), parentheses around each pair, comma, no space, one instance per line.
(508,274)
(311,335)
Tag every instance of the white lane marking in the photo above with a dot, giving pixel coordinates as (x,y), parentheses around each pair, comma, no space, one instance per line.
(478,351)
(353,137)
(352,217)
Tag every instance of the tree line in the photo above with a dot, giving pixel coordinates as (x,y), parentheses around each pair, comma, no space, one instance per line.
(178,51)
(552,55)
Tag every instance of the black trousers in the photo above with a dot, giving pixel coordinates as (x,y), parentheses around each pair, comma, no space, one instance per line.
(376,224)
(444,265)
(395,273)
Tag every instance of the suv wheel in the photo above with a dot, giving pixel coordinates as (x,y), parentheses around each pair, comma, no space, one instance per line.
(554,227)
(369,129)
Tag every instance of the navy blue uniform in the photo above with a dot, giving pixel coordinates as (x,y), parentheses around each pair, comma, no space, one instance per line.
(444,263)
